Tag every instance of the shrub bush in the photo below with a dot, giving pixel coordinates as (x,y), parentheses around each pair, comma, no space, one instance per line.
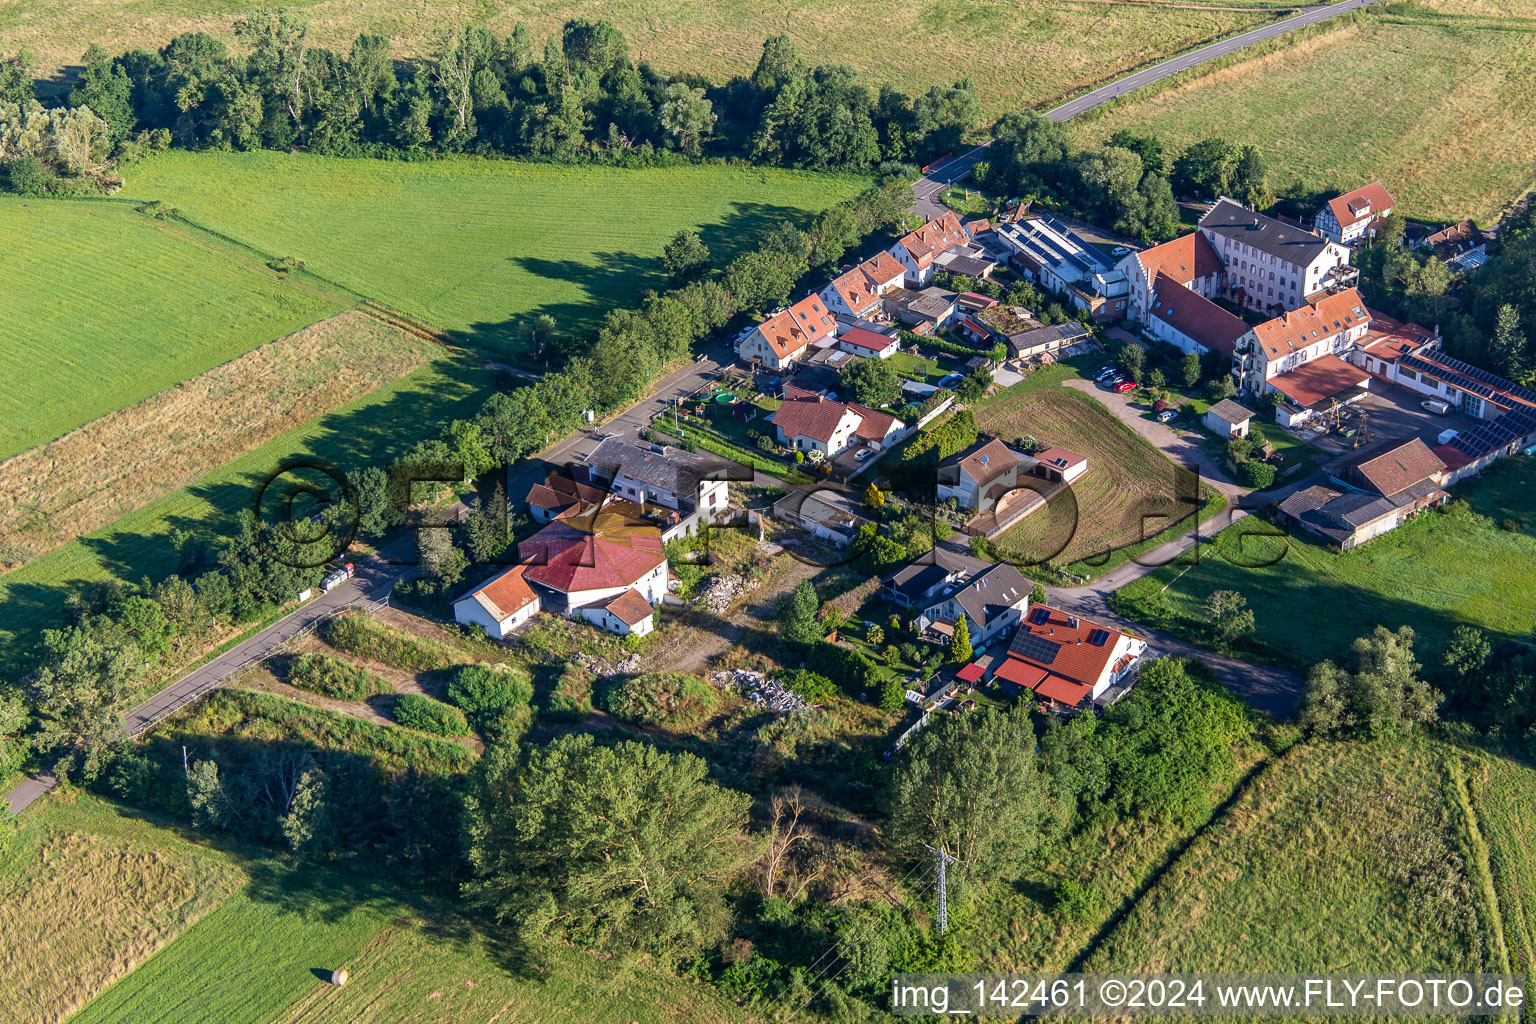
(480,691)
(366,637)
(1257,474)
(811,686)
(572,695)
(662,698)
(329,676)
(415,711)
(853,670)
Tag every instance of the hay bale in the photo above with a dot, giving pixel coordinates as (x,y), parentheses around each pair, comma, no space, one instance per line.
(338,978)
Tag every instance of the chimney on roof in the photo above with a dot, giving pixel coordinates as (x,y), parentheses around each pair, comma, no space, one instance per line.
(1072,621)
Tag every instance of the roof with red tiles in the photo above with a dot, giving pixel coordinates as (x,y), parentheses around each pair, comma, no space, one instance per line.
(596,552)
(631,607)
(863,338)
(933,238)
(883,269)
(1068,643)
(1196,317)
(1298,328)
(504,594)
(1183,260)
(856,289)
(1317,380)
(815,418)
(814,318)
(1363,203)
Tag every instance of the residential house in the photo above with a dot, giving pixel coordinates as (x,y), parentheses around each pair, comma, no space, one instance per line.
(968,260)
(690,488)
(933,306)
(1226,419)
(1054,256)
(1038,343)
(1386,342)
(1191,322)
(1189,261)
(561,495)
(977,477)
(852,293)
(1377,491)
(918,251)
(1272,266)
(1065,659)
(869,344)
(1300,354)
(1350,217)
(830,515)
(884,271)
(577,567)
(499,605)
(913,585)
(820,424)
(992,600)
(1463,246)
(788,335)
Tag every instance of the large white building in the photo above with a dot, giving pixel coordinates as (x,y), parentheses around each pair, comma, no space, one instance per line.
(1352,216)
(1054,256)
(1271,266)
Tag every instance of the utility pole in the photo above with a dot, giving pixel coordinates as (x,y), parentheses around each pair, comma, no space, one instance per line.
(944,860)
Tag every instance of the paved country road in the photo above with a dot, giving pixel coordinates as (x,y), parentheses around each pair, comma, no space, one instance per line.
(935,181)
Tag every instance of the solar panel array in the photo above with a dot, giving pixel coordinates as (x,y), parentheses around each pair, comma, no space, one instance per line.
(1040,616)
(1447,374)
(1491,435)
(1098,637)
(1036,648)
(1479,374)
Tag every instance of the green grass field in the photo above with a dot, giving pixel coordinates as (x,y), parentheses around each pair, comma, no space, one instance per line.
(1019,54)
(1431,96)
(228,937)
(1336,857)
(103,306)
(481,247)
(1436,573)
(370,430)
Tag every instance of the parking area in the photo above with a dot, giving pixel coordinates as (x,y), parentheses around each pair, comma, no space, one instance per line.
(1394,413)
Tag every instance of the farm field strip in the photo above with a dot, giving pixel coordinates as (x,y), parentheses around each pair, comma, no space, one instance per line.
(371,430)
(104,306)
(480,247)
(1437,97)
(110,467)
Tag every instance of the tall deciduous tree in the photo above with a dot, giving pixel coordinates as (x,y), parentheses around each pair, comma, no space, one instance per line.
(621,847)
(968,785)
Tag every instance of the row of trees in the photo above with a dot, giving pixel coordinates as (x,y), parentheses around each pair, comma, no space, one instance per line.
(576,96)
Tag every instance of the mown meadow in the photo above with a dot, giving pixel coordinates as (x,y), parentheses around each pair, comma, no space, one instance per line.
(481,247)
(104,306)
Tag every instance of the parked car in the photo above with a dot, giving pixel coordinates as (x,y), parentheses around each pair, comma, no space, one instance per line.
(1108,370)
(1435,406)
(862,454)
(1166,415)
(1125,385)
(336,577)
(1120,250)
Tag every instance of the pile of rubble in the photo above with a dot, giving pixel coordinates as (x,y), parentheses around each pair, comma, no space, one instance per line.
(722,590)
(762,691)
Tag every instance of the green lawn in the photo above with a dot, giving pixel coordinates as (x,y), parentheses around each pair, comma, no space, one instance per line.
(1438,572)
(371,430)
(480,247)
(1430,96)
(103,306)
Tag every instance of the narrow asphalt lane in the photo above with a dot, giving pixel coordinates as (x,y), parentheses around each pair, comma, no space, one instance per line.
(928,187)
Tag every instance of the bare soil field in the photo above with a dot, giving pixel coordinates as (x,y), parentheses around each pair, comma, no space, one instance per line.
(60,491)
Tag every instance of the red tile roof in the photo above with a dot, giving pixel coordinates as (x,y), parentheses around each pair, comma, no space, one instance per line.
(1318,379)
(873,426)
(933,238)
(856,289)
(1299,328)
(1367,201)
(1388,338)
(862,338)
(561,492)
(506,593)
(1075,658)
(1060,458)
(1182,260)
(1196,317)
(783,334)
(815,418)
(813,317)
(631,607)
(883,269)
(1063,691)
(605,549)
(1020,673)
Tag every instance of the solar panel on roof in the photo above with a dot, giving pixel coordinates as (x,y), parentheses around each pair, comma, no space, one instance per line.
(1098,637)
(1036,648)
(1040,616)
